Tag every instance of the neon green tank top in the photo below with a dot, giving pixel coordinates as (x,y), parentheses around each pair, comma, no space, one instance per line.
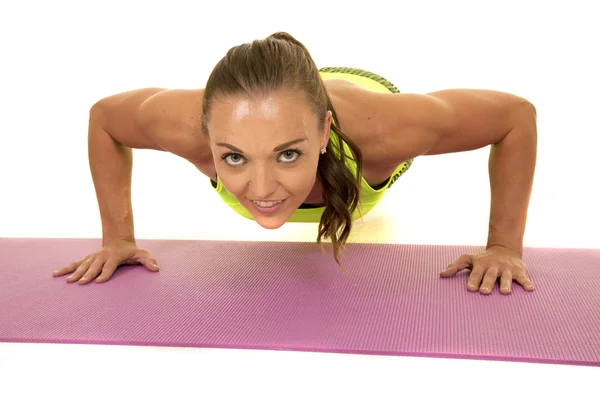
(369,196)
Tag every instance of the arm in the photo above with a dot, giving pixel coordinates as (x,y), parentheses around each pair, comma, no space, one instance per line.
(508,124)
(511,169)
(150,118)
(112,133)
(461,120)
(110,165)
(143,119)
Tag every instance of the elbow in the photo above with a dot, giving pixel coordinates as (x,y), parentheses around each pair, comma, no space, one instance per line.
(530,109)
(525,109)
(96,108)
(524,114)
(525,125)
(97,112)
(522,122)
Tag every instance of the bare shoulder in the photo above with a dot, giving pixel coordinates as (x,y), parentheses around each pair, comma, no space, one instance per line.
(172,119)
(363,119)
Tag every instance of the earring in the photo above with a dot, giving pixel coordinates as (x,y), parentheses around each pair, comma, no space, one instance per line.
(323,150)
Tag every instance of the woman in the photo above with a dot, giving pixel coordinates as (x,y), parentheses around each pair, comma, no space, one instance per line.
(282,141)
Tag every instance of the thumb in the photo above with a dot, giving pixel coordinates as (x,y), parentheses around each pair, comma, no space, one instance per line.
(463,262)
(150,264)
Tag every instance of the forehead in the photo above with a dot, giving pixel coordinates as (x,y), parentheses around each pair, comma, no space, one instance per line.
(276,111)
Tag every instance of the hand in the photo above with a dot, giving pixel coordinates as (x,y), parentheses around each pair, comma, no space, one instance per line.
(495,262)
(105,261)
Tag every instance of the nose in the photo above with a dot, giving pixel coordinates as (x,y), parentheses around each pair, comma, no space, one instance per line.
(263,183)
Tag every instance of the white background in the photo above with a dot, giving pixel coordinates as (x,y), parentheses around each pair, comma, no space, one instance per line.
(58,58)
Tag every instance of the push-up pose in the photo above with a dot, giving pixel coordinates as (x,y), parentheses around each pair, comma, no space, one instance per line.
(284,141)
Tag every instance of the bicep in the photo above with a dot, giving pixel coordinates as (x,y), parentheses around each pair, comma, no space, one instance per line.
(475,118)
(446,121)
(122,116)
(170,121)
(410,125)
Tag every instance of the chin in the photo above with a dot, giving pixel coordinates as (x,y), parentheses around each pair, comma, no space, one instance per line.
(269,222)
(273,219)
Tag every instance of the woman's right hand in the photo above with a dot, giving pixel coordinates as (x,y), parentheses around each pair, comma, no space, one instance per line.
(104,262)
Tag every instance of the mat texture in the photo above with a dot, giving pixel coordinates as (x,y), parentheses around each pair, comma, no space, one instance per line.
(288,296)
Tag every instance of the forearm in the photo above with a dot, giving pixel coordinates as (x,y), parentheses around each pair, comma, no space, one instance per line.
(511,169)
(111,165)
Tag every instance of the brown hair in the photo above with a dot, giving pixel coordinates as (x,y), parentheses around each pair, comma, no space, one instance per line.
(282,62)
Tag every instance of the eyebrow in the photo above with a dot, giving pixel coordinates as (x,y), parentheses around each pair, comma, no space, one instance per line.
(277,148)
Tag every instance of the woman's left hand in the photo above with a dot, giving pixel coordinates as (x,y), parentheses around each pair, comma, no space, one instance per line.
(486,267)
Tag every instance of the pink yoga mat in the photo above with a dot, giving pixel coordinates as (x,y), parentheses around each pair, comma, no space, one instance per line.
(288,296)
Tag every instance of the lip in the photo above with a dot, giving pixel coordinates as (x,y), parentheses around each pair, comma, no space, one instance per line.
(268,210)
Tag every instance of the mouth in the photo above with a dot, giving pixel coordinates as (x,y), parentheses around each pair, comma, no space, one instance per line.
(267,207)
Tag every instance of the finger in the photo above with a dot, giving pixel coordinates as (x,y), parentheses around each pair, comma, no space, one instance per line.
(475,278)
(68,268)
(461,263)
(506,282)
(80,271)
(93,271)
(150,264)
(489,281)
(109,269)
(524,281)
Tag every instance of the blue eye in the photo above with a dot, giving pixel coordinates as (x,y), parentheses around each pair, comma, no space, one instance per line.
(289,156)
(233,159)
(237,160)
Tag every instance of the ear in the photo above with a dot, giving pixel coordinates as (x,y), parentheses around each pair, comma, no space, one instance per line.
(327,128)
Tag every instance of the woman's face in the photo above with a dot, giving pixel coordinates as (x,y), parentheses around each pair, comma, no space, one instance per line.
(266,152)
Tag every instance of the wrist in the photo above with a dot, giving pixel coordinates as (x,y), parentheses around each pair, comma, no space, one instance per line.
(509,236)
(517,249)
(118,239)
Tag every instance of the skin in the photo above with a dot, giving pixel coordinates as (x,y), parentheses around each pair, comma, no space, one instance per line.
(388,128)
(268,150)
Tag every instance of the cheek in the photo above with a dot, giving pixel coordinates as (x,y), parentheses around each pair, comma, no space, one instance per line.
(233,181)
(236,186)
(299,180)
